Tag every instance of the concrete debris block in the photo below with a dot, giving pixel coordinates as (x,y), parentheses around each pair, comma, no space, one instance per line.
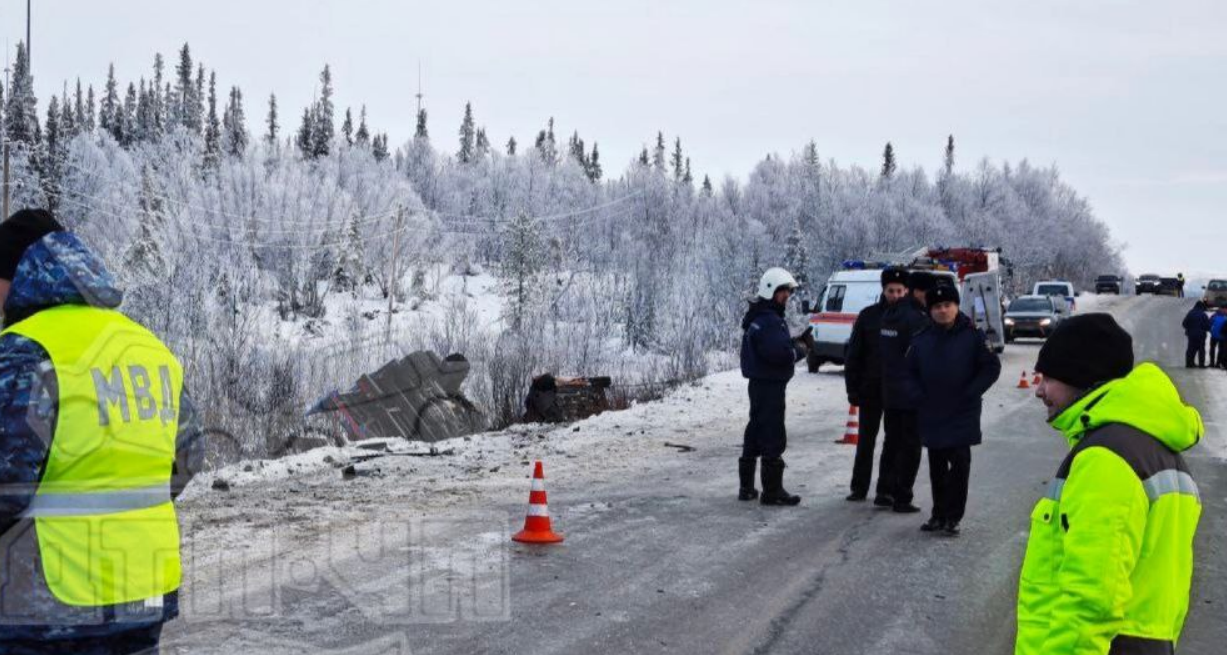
(418,398)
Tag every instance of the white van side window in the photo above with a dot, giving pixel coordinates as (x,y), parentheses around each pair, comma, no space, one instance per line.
(835,298)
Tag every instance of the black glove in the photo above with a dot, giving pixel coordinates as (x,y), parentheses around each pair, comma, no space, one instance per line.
(855,401)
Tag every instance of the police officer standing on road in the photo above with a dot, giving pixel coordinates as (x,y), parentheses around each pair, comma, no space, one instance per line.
(863,380)
(1109,560)
(951,366)
(900,323)
(768,359)
(96,440)
(1196,326)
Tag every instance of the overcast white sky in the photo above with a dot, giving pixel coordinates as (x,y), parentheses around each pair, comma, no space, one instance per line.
(1127,98)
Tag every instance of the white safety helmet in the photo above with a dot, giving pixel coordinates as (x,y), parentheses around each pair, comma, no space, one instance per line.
(773,279)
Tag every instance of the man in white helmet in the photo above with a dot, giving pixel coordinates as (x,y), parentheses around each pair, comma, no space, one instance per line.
(769,355)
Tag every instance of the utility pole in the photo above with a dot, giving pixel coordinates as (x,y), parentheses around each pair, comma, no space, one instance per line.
(419,94)
(4,129)
(392,281)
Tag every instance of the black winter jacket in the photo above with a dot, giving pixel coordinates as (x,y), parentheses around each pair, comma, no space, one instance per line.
(1196,323)
(900,323)
(949,371)
(863,359)
(767,349)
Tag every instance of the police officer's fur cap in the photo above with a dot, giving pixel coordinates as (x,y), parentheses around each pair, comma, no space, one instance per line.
(920,280)
(20,231)
(894,276)
(941,293)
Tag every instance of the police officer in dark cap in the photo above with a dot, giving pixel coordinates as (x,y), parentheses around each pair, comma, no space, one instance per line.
(863,380)
(900,323)
(950,367)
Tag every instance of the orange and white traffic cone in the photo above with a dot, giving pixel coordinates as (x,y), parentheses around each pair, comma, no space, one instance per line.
(537,528)
(1036,377)
(1022,381)
(852,431)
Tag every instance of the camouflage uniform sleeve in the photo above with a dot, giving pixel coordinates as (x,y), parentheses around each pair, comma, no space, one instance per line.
(28,406)
(189,446)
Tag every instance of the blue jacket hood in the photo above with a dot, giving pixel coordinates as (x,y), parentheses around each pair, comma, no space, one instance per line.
(59,270)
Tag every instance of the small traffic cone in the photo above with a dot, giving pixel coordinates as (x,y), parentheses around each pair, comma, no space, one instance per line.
(853,430)
(1022,381)
(1035,380)
(537,528)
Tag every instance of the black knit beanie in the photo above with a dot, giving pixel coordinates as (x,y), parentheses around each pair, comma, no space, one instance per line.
(894,276)
(21,231)
(1086,351)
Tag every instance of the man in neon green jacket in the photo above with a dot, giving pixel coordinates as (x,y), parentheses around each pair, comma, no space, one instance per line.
(1110,557)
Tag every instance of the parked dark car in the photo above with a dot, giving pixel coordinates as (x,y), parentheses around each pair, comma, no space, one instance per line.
(1148,283)
(1109,284)
(1168,286)
(1032,316)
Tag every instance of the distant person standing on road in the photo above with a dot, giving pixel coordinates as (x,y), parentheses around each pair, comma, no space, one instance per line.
(900,323)
(1180,284)
(1218,349)
(1196,327)
(863,381)
(951,366)
(768,359)
(1109,560)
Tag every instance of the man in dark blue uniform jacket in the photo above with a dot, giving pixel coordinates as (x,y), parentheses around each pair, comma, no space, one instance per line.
(769,355)
(950,367)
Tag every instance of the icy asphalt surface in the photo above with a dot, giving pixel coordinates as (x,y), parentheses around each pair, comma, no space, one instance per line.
(659,556)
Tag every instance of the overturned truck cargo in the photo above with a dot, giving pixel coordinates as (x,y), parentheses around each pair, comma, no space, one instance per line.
(418,398)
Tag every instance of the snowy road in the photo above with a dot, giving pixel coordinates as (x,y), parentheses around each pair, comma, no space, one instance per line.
(659,557)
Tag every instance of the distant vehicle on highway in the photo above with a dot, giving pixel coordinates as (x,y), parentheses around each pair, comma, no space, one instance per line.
(1058,289)
(1148,283)
(1109,284)
(1168,286)
(1216,293)
(1033,316)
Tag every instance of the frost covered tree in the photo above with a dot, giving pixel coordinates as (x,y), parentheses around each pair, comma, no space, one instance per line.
(593,169)
(347,127)
(127,117)
(467,135)
(270,122)
(109,109)
(481,145)
(351,268)
(796,258)
(379,148)
(21,111)
(363,136)
(235,124)
(187,98)
(658,154)
(511,147)
(322,130)
(420,131)
(888,162)
(948,160)
(678,161)
(305,139)
(213,130)
(521,268)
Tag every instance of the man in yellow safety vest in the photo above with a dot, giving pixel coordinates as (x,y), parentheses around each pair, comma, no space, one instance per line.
(96,440)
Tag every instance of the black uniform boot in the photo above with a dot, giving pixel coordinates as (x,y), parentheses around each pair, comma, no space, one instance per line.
(745,470)
(773,484)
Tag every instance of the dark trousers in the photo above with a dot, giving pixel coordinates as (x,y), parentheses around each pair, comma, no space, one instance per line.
(141,641)
(867,437)
(1196,349)
(902,449)
(1216,352)
(765,436)
(949,471)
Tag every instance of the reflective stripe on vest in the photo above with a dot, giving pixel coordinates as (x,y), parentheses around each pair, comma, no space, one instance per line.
(106,527)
